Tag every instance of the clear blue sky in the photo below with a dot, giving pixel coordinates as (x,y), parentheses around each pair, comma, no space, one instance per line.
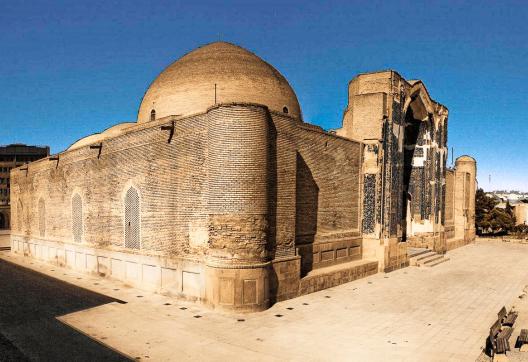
(72,68)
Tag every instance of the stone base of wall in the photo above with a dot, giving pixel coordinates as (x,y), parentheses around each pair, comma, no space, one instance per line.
(470,235)
(5,239)
(435,242)
(457,243)
(177,277)
(327,251)
(237,288)
(395,255)
(284,280)
(324,278)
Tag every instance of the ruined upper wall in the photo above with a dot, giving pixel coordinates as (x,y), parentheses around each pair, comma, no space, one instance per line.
(372,97)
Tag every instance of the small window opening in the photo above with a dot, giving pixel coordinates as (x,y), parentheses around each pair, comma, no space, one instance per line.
(285,110)
(153,115)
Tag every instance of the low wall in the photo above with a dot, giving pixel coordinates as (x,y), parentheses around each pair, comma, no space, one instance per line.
(320,280)
(246,289)
(455,243)
(396,256)
(432,241)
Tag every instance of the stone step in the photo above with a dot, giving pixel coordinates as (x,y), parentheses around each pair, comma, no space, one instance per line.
(430,259)
(425,256)
(417,258)
(413,252)
(439,261)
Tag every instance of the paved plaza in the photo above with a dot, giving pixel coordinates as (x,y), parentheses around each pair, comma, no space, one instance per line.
(413,314)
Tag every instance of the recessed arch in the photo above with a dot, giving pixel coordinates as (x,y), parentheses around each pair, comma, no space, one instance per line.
(3,221)
(42,217)
(77,218)
(132,219)
(20,216)
(153,115)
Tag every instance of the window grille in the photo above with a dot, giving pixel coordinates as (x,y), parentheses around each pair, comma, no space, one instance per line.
(132,220)
(20,218)
(466,191)
(77,218)
(42,217)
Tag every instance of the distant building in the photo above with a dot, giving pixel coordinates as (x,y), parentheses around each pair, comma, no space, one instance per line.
(521,213)
(12,156)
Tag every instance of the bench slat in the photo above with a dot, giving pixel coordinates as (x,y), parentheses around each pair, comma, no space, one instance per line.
(506,332)
(523,337)
(495,328)
(510,319)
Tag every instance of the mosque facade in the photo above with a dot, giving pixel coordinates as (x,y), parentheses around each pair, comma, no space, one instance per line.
(221,193)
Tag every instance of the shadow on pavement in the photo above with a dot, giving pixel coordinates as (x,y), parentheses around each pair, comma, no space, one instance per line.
(29,305)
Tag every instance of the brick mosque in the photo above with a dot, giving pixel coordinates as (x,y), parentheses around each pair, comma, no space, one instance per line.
(221,193)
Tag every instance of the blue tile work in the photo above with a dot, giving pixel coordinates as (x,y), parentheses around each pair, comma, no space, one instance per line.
(396,173)
(369,203)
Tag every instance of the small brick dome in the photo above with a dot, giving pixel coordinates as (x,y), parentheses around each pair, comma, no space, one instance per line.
(187,86)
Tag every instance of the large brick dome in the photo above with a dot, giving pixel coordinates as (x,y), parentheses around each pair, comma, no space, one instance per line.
(187,86)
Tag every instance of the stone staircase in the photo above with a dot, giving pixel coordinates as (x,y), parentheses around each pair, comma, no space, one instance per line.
(425,257)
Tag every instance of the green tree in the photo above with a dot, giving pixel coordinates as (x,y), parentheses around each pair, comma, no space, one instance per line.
(483,206)
(509,211)
(489,218)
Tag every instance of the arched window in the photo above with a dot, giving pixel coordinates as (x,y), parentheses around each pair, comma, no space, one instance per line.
(132,219)
(285,110)
(153,115)
(77,218)
(42,217)
(20,216)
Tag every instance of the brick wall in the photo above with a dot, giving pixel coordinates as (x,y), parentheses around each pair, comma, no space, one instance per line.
(237,164)
(318,186)
(170,179)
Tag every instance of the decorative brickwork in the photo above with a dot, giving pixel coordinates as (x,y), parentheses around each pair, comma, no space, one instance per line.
(369,203)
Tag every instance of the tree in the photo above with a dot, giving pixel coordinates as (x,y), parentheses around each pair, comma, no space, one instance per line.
(483,205)
(509,211)
(489,218)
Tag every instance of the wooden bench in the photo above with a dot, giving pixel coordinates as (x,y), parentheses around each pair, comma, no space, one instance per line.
(499,338)
(510,318)
(502,314)
(522,339)
(507,318)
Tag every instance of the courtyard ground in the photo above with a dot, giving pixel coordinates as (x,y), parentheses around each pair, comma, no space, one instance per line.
(413,314)
(29,330)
